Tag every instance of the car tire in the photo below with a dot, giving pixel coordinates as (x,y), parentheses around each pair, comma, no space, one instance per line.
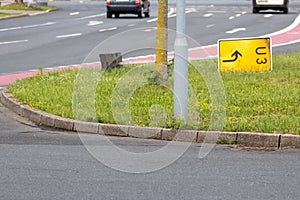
(140,15)
(285,10)
(117,15)
(255,10)
(108,15)
(147,15)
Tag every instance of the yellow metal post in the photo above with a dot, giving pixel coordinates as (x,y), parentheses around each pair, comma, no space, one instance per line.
(161,40)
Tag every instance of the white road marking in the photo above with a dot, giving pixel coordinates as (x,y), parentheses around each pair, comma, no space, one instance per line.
(236,30)
(130,25)
(94,23)
(290,27)
(74,13)
(171,13)
(93,16)
(268,15)
(187,11)
(13,42)
(237,15)
(69,35)
(286,43)
(232,17)
(148,30)
(29,26)
(108,29)
(208,15)
(216,11)
(210,25)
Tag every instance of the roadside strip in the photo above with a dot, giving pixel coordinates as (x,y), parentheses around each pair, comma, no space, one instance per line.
(261,141)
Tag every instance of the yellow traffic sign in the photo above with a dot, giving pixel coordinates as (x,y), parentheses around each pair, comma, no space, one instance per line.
(250,54)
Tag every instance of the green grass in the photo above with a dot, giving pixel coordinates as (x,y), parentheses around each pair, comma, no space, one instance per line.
(5,14)
(15,6)
(255,101)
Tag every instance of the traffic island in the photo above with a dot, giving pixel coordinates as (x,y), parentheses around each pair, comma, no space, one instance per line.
(242,139)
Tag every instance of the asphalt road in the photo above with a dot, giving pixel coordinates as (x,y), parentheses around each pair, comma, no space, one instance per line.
(68,36)
(41,163)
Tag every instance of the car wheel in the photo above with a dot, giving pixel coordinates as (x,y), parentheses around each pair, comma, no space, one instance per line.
(140,15)
(117,15)
(108,15)
(285,10)
(255,10)
(147,15)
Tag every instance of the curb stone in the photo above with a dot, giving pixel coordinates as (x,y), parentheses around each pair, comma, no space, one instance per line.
(270,141)
(26,14)
(242,139)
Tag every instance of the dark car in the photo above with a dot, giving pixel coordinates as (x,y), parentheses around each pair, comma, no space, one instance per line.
(281,5)
(117,7)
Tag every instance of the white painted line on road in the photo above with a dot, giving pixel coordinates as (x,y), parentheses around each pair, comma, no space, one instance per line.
(192,9)
(268,15)
(187,11)
(74,13)
(237,15)
(93,16)
(232,17)
(171,13)
(286,43)
(13,42)
(236,30)
(94,23)
(216,11)
(69,35)
(148,30)
(131,25)
(108,29)
(208,15)
(152,20)
(210,25)
(29,26)
(290,27)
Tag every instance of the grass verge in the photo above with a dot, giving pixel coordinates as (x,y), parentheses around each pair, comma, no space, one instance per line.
(259,102)
(15,6)
(6,14)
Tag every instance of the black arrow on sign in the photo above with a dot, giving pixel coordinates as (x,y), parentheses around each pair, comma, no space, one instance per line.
(236,54)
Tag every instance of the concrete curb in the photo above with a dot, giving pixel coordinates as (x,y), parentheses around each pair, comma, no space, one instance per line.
(26,14)
(241,139)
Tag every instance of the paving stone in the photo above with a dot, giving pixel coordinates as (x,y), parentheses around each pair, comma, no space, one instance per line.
(145,132)
(63,123)
(290,141)
(259,140)
(31,114)
(113,130)
(179,135)
(86,127)
(213,137)
(48,119)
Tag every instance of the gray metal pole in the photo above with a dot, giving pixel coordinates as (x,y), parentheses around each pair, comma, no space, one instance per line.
(180,64)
